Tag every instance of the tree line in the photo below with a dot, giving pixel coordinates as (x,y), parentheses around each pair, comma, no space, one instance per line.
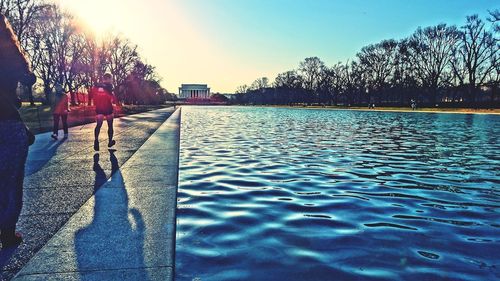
(436,65)
(64,54)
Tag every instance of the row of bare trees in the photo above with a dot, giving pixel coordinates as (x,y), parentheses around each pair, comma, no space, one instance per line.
(65,54)
(436,64)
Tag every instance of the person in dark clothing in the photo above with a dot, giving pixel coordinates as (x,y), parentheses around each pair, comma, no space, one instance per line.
(103,100)
(14,135)
(413,104)
(60,111)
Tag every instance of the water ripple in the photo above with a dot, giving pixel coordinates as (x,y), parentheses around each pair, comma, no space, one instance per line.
(300,194)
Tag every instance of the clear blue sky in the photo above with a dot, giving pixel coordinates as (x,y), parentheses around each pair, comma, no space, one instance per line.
(226,43)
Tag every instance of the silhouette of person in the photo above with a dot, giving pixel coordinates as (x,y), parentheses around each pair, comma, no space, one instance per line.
(14,135)
(102,94)
(60,111)
(413,104)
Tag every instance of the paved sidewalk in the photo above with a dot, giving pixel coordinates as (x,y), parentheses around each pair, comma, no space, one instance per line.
(62,175)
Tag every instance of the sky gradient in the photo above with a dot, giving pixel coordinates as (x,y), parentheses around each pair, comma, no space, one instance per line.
(227,43)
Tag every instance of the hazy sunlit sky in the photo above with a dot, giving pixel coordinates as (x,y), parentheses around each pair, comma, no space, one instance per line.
(227,43)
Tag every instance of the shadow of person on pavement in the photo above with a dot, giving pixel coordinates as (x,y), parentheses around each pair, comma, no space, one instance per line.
(5,255)
(113,241)
(100,174)
(40,153)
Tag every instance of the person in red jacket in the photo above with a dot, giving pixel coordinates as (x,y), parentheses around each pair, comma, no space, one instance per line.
(103,100)
(61,109)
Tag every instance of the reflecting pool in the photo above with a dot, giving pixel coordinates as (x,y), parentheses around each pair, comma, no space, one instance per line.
(312,194)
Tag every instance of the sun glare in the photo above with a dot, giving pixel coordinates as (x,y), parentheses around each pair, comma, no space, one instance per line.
(98,16)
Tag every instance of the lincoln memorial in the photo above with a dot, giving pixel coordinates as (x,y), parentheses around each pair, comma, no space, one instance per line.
(194,91)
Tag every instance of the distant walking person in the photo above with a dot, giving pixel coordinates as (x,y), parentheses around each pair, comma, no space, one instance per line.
(61,109)
(14,135)
(103,100)
(413,104)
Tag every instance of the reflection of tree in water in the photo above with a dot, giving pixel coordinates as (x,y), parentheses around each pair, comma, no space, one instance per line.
(111,240)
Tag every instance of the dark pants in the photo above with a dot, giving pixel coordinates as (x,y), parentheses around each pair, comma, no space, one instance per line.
(13,153)
(64,119)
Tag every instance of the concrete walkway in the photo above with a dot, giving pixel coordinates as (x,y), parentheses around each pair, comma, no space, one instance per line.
(126,230)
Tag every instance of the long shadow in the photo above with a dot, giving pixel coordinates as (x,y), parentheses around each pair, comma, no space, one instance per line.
(114,239)
(5,255)
(48,150)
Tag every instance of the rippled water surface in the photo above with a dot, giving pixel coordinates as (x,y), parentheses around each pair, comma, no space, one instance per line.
(299,194)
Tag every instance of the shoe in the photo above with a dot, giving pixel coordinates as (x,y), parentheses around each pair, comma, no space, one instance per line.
(12,241)
(111,143)
(54,136)
(96,145)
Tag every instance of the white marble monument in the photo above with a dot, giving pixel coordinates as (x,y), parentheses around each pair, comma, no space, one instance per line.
(194,91)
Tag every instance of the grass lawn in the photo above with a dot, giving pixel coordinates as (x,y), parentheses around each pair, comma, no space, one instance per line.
(39,117)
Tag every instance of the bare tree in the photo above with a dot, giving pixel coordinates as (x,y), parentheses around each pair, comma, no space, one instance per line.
(42,47)
(431,52)
(260,83)
(475,55)
(122,58)
(145,72)
(357,83)
(21,15)
(311,71)
(241,89)
(76,74)
(404,80)
(289,87)
(88,62)
(438,59)
(289,80)
(64,51)
(495,19)
(339,81)
(378,63)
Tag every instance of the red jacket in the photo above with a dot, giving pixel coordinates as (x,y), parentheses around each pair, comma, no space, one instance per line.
(103,99)
(61,105)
